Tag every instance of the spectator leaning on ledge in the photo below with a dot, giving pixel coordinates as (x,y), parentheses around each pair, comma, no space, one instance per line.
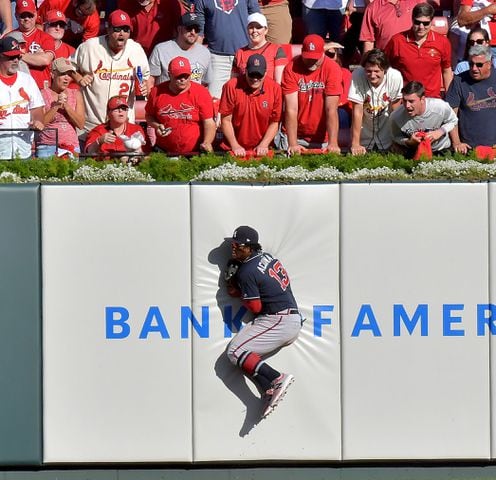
(181,112)
(421,118)
(21,104)
(250,108)
(473,96)
(311,85)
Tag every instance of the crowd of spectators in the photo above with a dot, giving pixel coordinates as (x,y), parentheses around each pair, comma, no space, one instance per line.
(127,77)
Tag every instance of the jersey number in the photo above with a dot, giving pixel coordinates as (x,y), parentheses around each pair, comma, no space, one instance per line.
(278,272)
(123,90)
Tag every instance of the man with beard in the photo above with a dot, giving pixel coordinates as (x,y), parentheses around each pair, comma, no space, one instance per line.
(473,97)
(184,45)
(21,104)
(108,66)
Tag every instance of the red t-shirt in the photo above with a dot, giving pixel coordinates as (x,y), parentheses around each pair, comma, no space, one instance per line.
(423,64)
(252,112)
(273,53)
(492,21)
(64,50)
(85,27)
(183,112)
(157,25)
(35,41)
(118,145)
(312,88)
(382,20)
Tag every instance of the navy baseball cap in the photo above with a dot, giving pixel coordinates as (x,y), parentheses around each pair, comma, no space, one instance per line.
(245,235)
(256,64)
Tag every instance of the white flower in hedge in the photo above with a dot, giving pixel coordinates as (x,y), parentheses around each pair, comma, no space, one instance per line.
(9,177)
(110,173)
(327,174)
(380,173)
(449,169)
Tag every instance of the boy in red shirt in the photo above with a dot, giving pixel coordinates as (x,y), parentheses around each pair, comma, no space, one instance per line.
(250,108)
(311,85)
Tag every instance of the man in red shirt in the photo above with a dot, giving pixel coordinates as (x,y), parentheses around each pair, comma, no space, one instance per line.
(383,19)
(153,21)
(311,85)
(250,108)
(55,26)
(422,55)
(40,47)
(83,19)
(181,112)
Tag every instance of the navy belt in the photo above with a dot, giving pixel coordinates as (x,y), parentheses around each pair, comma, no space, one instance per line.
(288,311)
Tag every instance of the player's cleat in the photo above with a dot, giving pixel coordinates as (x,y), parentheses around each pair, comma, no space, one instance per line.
(277,391)
(266,398)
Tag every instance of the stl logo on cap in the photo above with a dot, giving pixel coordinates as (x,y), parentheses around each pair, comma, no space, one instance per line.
(256,62)
(24,3)
(181,63)
(59,14)
(123,17)
(311,46)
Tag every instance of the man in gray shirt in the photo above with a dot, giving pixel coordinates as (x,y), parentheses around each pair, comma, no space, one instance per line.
(184,45)
(421,117)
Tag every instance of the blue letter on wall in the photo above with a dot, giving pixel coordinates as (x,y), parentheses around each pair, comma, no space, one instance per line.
(201,328)
(448,320)
(366,312)
(230,322)
(399,315)
(318,321)
(112,322)
(482,320)
(148,325)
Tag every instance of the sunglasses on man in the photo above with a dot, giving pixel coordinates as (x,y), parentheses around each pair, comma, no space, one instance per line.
(124,29)
(425,23)
(476,64)
(479,41)
(58,24)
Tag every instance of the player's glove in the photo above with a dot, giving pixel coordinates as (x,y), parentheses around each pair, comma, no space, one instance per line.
(230,272)
(231,269)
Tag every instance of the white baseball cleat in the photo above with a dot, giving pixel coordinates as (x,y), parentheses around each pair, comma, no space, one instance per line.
(275,394)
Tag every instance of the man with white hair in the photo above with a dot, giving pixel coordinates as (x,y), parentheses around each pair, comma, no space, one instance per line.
(472,95)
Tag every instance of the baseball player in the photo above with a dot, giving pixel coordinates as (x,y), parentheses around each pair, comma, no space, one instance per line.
(263,284)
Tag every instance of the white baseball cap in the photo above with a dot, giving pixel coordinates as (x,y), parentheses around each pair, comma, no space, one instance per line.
(257,18)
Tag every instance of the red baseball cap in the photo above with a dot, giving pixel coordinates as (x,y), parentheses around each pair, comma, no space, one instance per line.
(55,16)
(119,18)
(117,102)
(313,47)
(23,6)
(179,66)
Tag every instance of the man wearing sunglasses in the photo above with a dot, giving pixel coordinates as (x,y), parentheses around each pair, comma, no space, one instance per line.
(107,66)
(40,47)
(21,104)
(250,108)
(184,45)
(421,54)
(55,26)
(473,97)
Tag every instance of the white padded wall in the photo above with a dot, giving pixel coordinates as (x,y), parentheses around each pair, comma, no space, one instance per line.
(299,225)
(423,248)
(116,399)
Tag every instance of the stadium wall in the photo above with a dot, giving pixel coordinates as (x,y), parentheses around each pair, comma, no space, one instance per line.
(393,363)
